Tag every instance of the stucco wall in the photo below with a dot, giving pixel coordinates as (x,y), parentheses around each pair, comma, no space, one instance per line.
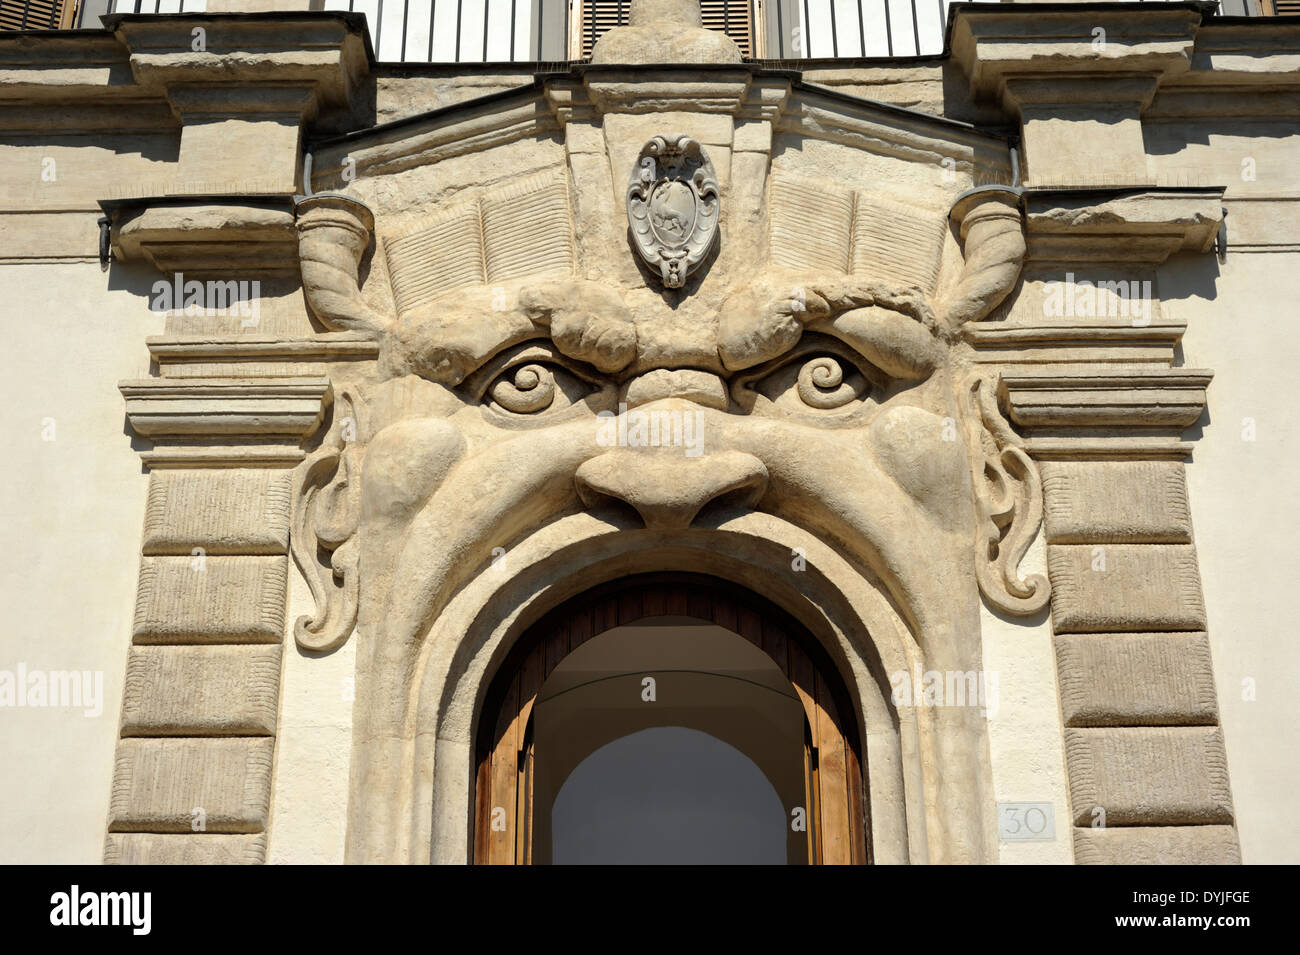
(309,801)
(1245,510)
(1026,747)
(72,515)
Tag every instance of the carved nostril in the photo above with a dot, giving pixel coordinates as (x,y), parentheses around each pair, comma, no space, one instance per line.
(668,490)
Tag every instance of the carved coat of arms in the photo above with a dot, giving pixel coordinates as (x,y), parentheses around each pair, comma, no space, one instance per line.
(672,206)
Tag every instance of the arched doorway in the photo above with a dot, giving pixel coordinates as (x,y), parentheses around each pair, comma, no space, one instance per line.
(668,718)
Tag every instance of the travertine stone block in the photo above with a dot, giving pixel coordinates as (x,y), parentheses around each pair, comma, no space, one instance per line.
(1136,679)
(1158,845)
(203,848)
(222,511)
(1118,587)
(443,253)
(211,600)
(896,241)
(160,784)
(1115,502)
(527,229)
(811,225)
(754,136)
(521,229)
(201,691)
(1148,775)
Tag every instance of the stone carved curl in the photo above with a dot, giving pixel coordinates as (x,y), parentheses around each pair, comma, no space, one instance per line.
(1008,503)
(892,326)
(323,538)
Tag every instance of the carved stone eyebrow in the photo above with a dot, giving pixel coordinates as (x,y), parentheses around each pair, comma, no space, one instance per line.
(450,336)
(896,327)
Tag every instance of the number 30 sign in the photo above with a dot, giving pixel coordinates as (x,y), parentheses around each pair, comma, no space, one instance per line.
(1026,822)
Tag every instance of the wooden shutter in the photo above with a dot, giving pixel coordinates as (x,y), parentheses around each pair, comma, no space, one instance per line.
(598,18)
(731,17)
(37,14)
(1281,8)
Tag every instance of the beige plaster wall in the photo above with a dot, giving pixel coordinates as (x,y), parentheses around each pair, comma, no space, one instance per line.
(1026,746)
(1245,510)
(72,513)
(309,798)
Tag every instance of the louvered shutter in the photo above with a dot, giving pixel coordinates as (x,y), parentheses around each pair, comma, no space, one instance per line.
(598,18)
(37,14)
(731,17)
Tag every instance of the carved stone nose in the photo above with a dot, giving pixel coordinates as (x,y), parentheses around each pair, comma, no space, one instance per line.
(669,489)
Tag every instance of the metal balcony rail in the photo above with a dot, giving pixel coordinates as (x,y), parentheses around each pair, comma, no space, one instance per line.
(499,31)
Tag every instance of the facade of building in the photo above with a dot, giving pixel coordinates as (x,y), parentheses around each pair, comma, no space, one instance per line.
(824,432)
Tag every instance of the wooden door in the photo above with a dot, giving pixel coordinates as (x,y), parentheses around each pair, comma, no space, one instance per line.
(837,822)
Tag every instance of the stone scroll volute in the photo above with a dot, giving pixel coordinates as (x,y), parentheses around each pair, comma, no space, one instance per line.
(1008,504)
(323,538)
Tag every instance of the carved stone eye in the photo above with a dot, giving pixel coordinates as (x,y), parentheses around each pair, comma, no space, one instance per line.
(533,385)
(822,383)
(813,381)
(525,389)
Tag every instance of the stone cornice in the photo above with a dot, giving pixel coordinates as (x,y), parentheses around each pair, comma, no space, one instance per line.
(173,351)
(1004,344)
(207,235)
(1004,46)
(824,114)
(1091,413)
(1247,52)
(1044,41)
(225,422)
(431,137)
(139,58)
(1139,227)
(63,65)
(585,93)
(328,54)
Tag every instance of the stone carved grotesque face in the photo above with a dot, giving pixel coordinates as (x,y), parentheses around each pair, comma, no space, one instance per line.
(837,403)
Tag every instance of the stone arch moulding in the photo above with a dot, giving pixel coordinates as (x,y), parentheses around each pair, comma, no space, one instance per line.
(411,797)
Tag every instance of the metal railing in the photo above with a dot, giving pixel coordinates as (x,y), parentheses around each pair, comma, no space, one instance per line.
(464,31)
(467,31)
(461,31)
(817,29)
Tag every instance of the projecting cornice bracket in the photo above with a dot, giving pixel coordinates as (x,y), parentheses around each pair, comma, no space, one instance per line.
(1105,414)
(226,422)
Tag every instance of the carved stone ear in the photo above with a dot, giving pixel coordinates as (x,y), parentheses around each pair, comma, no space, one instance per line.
(323,537)
(1008,504)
